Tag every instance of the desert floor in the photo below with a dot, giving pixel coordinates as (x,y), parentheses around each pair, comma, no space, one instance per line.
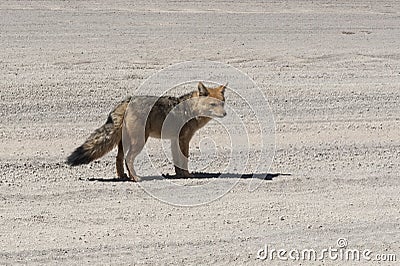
(329,69)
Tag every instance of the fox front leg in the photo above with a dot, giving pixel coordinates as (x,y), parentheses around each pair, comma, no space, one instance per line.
(180,154)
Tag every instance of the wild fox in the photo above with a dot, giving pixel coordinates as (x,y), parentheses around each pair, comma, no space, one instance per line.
(138,117)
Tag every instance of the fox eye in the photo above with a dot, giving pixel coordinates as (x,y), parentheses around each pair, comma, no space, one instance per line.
(213,104)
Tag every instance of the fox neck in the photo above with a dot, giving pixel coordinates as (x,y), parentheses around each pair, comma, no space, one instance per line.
(202,120)
(187,96)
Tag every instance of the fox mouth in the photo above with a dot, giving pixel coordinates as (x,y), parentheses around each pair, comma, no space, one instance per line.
(218,115)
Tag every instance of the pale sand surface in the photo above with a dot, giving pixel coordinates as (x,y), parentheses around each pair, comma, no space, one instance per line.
(331,73)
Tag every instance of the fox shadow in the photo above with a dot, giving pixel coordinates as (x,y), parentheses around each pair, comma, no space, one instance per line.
(196,175)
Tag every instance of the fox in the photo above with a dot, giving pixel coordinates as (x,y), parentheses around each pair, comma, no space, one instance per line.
(136,118)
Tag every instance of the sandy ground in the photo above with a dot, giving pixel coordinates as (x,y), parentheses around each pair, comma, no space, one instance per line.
(330,71)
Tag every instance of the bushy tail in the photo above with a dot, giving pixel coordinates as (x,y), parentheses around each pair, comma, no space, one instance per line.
(103,139)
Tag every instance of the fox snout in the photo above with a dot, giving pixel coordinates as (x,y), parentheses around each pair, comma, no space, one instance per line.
(218,114)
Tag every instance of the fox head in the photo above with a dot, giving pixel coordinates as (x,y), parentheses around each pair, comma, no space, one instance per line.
(210,102)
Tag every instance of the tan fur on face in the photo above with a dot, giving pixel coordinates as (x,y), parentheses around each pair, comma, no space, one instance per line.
(217,92)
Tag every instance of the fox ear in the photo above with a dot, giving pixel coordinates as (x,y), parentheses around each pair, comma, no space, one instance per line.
(222,88)
(202,89)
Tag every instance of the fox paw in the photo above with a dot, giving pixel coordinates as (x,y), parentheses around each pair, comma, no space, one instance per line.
(134,178)
(122,176)
(184,174)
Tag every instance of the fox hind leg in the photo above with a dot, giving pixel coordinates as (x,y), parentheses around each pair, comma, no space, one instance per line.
(130,159)
(134,136)
(135,146)
(119,163)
